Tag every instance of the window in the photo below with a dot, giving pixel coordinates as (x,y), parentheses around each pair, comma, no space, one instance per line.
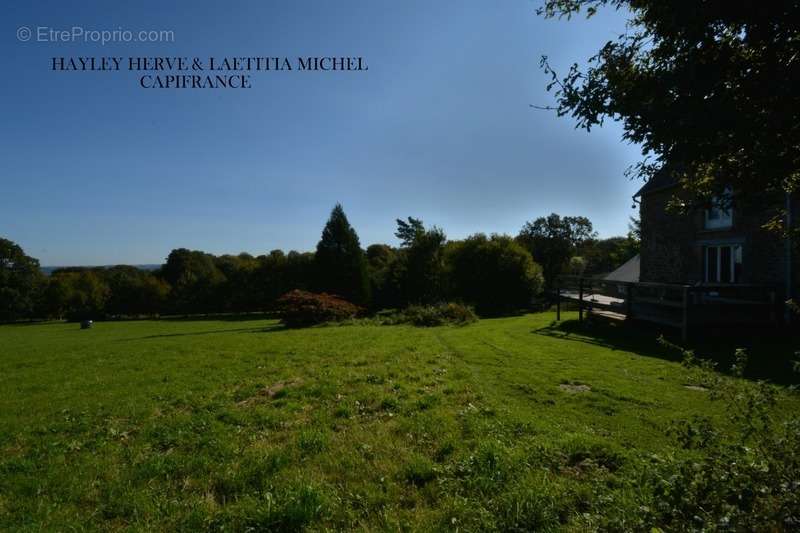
(723,263)
(719,214)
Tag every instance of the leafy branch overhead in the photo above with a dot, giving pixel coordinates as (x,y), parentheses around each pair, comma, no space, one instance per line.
(709,88)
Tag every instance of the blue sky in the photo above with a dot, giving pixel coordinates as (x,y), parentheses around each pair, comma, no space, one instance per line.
(96,170)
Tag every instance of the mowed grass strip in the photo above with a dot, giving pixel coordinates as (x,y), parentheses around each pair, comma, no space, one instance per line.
(504,424)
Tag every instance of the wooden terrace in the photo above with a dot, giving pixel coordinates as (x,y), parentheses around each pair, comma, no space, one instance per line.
(685,307)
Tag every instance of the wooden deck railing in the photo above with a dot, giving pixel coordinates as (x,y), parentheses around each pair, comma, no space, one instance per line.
(675,305)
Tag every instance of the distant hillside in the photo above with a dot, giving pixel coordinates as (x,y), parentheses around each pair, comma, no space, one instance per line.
(47,270)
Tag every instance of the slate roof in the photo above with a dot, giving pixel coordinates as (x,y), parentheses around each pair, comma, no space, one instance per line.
(627,272)
(663,179)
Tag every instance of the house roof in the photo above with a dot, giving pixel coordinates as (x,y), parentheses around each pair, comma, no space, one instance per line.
(627,272)
(662,179)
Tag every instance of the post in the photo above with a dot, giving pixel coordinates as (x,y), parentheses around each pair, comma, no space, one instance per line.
(558,300)
(629,301)
(685,323)
(580,299)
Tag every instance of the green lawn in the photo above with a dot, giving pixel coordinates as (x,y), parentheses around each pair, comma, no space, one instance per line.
(213,424)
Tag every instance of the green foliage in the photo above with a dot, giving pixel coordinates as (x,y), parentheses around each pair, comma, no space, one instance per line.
(552,240)
(533,506)
(134,292)
(419,471)
(20,282)
(383,288)
(379,256)
(747,472)
(687,82)
(418,271)
(195,280)
(238,292)
(77,295)
(278,273)
(339,260)
(605,255)
(302,309)
(494,274)
(176,425)
(311,442)
(289,508)
(409,232)
(576,266)
(436,315)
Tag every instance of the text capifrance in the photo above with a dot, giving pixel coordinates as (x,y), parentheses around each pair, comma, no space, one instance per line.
(208,72)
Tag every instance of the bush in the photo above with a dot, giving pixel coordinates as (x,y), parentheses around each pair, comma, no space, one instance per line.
(77,295)
(301,309)
(495,274)
(742,476)
(430,315)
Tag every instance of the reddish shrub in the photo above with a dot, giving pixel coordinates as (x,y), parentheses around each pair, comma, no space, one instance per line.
(300,308)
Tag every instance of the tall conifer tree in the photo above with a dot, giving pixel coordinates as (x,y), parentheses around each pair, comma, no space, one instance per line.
(340,261)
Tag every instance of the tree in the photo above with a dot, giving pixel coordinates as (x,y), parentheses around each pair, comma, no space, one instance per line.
(268,280)
(552,240)
(153,295)
(576,266)
(408,232)
(236,293)
(419,269)
(635,232)
(380,261)
(134,291)
(20,281)
(278,273)
(605,255)
(300,270)
(380,255)
(495,274)
(339,260)
(195,281)
(77,294)
(708,90)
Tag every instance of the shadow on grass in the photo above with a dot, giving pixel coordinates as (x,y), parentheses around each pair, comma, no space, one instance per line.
(33,322)
(222,317)
(770,352)
(267,329)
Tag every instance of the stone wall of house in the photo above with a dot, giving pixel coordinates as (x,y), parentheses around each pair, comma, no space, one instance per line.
(764,260)
(673,244)
(666,254)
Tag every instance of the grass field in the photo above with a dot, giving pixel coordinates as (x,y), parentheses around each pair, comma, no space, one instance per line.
(240,424)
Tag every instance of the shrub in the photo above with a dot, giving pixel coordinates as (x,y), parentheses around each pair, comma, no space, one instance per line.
(438,315)
(301,309)
(495,274)
(743,476)
(426,315)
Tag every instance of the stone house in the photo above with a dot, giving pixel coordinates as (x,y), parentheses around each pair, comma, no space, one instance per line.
(719,243)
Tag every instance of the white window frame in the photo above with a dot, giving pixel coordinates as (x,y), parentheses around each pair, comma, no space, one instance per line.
(718,247)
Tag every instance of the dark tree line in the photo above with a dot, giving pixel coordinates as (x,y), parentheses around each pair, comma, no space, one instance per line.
(496,274)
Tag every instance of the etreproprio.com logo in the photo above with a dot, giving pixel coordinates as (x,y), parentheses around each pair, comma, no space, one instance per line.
(79,34)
